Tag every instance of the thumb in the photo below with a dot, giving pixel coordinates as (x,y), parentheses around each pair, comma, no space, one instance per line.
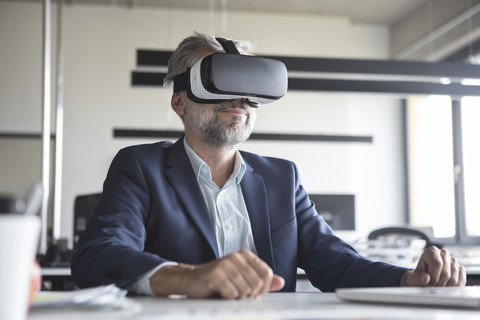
(277,283)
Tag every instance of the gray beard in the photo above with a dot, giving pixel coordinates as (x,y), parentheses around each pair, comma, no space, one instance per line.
(215,133)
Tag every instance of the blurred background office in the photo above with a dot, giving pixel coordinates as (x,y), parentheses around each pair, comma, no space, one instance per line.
(393,157)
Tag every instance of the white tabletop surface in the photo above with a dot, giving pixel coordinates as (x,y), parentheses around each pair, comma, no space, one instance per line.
(270,306)
(62,271)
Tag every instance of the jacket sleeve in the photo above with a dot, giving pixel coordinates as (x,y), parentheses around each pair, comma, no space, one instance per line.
(330,262)
(111,250)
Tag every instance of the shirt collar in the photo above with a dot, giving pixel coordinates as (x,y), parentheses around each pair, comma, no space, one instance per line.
(201,168)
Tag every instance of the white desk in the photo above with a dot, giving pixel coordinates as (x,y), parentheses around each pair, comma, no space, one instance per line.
(57,279)
(56,272)
(271,306)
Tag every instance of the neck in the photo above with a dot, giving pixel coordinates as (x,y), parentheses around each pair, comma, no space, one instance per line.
(220,160)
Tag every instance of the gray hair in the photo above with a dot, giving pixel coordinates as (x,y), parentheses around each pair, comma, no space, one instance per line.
(192,49)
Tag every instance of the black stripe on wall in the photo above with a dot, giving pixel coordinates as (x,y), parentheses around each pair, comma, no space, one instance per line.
(454,89)
(397,87)
(380,67)
(140,78)
(152,57)
(140,133)
(20,135)
(157,58)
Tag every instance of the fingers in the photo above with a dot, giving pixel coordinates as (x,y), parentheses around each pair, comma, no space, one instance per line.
(227,278)
(241,274)
(439,267)
(462,277)
(459,276)
(442,273)
(260,275)
(277,283)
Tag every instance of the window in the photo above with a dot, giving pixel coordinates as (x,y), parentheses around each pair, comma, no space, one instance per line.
(430,164)
(470,111)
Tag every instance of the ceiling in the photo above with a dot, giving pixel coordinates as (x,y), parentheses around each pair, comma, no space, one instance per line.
(365,11)
(427,30)
(386,12)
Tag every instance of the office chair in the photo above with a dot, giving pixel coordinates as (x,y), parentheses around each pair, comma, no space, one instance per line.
(9,204)
(398,245)
(403,232)
(58,254)
(83,211)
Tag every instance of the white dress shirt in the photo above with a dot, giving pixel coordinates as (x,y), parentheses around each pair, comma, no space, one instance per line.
(226,206)
(227,210)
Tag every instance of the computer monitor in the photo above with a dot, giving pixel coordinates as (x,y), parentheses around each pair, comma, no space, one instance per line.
(83,211)
(338,210)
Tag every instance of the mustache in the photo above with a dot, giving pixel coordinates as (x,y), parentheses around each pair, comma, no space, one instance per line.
(228,104)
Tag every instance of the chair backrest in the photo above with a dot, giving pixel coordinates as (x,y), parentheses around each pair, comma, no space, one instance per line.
(9,204)
(403,231)
(83,211)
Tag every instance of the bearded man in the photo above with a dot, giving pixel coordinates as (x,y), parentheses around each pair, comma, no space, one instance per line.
(202,219)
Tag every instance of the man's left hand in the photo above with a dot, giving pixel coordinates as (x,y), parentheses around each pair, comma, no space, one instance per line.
(436,268)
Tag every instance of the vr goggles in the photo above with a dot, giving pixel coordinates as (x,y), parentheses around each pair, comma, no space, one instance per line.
(226,76)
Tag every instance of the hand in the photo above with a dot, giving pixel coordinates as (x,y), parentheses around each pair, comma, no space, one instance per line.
(238,275)
(435,268)
(35,282)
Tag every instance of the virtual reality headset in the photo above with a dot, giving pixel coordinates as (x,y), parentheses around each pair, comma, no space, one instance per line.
(226,76)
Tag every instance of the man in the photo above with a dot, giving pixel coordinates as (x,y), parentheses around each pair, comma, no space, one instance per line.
(202,219)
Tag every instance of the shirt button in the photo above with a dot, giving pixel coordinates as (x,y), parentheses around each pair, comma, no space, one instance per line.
(229,227)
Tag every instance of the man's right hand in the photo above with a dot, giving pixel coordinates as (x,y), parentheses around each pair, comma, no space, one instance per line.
(238,275)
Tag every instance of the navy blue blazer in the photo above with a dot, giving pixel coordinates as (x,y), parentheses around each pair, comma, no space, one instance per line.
(152,210)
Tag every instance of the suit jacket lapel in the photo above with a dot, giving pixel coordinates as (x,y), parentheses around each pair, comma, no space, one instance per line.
(180,174)
(255,195)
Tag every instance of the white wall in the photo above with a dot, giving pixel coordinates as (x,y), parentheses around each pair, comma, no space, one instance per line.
(100,44)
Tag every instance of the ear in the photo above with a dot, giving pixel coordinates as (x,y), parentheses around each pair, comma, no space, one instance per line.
(178,104)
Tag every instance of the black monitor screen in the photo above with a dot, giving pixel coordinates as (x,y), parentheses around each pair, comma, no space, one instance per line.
(338,210)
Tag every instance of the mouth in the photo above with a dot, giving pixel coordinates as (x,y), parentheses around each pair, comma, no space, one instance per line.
(235,111)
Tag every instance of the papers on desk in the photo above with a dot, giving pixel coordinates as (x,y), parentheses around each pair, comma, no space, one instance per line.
(103,296)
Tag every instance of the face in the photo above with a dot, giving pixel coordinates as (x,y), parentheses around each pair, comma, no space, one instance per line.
(223,125)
